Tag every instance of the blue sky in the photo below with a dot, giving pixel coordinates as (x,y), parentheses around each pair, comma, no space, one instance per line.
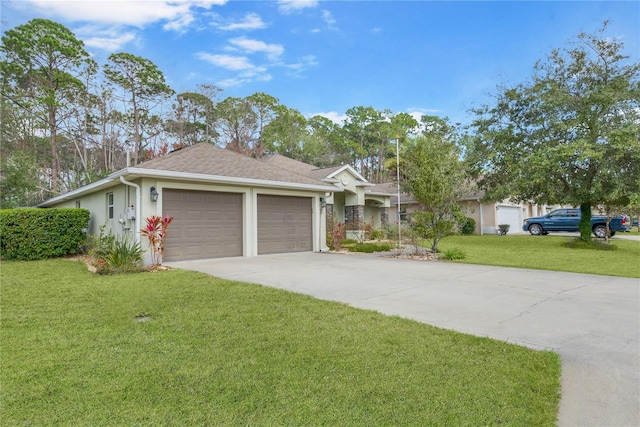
(323,57)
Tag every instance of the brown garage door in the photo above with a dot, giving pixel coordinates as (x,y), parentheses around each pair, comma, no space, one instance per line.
(284,224)
(205,224)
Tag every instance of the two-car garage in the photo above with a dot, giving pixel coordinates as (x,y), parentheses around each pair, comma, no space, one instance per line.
(211,224)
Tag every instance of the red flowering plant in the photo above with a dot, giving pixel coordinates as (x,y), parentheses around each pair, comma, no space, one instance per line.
(156,230)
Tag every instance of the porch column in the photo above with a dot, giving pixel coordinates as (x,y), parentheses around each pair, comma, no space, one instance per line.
(354,217)
(384,216)
(329,215)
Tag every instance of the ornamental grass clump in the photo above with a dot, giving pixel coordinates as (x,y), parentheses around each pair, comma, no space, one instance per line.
(115,254)
(156,231)
(124,256)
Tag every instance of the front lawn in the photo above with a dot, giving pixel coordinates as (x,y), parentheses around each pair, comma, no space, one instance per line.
(546,253)
(182,348)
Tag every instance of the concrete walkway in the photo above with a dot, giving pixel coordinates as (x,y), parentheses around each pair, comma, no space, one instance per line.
(593,322)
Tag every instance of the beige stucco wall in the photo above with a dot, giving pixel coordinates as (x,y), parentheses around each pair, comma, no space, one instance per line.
(96,204)
(354,194)
(338,202)
(126,196)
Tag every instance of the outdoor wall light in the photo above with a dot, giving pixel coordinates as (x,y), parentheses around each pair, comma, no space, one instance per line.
(323,202)
(154,194)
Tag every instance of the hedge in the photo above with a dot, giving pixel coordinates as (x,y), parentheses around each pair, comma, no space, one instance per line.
(30,234)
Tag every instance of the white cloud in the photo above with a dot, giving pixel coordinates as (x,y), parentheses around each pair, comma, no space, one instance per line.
(251,21)
(289,6)
(328,18)
(337,118)
(179,24)
(305,63)
(246,71)
(109,39)
(226,83)
(242,79)
(273,51)
(177,13)
(229,62)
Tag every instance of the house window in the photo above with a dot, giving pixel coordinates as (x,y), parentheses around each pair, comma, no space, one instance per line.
(109,205)
(78,204)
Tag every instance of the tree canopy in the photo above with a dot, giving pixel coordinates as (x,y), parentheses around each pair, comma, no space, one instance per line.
(42,69)
(570,135)
(433,173)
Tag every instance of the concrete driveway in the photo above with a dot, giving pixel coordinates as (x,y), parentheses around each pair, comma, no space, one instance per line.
(593,322)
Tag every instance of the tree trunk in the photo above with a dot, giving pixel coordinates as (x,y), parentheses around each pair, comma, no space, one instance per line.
(55,160)
(585,222)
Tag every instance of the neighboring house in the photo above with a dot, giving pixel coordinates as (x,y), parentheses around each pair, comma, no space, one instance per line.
(223,204)
(356,200)
(488,215)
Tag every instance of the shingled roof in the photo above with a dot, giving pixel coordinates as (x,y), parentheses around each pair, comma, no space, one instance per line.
(207,159)
(300,167)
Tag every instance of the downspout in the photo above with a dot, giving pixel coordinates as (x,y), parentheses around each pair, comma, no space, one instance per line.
(138,206)
(481,222)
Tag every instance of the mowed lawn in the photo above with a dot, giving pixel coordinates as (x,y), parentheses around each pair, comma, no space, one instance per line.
(547,253)
(182,348)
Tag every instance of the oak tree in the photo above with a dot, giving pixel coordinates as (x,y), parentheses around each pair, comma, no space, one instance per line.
(570,135)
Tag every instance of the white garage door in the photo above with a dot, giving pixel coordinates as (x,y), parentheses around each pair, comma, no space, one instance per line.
(206,224)
(510,215)
(284,224)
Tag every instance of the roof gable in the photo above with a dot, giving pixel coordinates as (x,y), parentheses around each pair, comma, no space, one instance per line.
(311,171)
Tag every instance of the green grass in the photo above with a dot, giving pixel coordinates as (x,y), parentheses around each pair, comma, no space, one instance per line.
(546,253)
(217,352)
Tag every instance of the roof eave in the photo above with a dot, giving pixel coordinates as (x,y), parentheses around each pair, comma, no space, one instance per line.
(112,180)
(109,181)
(185,176)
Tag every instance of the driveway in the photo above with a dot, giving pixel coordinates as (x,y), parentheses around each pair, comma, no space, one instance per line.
(593,322)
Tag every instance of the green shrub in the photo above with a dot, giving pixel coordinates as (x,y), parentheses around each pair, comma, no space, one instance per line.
(468,226)
(100,245)
(591,244)
(30,234)
(377,234)
(121,256)
(370,247)
(453,253)
(349,241)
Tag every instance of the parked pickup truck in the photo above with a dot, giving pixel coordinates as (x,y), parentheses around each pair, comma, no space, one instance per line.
(568,220)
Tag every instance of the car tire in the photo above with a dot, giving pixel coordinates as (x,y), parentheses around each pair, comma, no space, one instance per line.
(599,231)
(536,229)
